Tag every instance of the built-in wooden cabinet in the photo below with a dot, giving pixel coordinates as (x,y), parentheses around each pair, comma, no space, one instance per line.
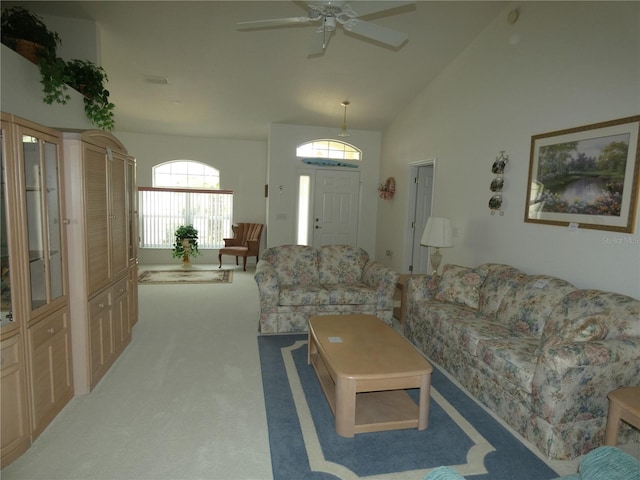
(36,366)
(49,346)
(14,425)
(68,224)
(103,237)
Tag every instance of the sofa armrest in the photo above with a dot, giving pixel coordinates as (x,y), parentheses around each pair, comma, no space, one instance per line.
(268,286)
(572,380)
(419,288)
(384,280)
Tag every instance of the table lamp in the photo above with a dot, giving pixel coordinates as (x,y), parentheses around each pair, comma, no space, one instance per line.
(437,234)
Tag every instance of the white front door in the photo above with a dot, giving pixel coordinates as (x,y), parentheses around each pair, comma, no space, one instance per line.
(336,207)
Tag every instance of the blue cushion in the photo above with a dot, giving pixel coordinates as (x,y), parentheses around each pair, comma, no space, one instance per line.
(443,473)
(609,463)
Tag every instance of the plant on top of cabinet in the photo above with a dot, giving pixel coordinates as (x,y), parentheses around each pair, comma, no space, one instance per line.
(186,243)
(27,34)
(89,79)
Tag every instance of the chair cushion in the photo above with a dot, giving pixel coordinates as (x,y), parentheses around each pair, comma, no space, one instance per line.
(355,294)
(303,295)
(294,264)
(341,264)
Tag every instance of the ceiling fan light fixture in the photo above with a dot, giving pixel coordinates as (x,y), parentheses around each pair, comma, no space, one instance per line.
(344,132)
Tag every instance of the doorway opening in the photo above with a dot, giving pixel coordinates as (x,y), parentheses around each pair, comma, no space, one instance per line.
(422,177)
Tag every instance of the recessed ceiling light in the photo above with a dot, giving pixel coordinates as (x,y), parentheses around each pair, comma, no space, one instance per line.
(156,79)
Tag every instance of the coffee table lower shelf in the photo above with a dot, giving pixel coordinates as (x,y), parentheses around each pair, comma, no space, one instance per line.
(374,411)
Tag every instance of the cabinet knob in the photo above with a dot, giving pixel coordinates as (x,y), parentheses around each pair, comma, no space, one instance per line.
(101,305)
(66,221)
(51,331)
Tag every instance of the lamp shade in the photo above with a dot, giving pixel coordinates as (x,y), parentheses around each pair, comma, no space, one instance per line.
(437,233)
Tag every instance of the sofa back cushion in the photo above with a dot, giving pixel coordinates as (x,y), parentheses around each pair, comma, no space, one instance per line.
(527,307)
(500,280)
(341,264)
(585,315)
(461,285)
(294,264)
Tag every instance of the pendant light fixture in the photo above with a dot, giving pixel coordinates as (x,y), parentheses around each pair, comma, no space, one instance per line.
(344,132)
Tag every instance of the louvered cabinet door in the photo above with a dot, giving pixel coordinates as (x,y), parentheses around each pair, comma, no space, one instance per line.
(96,218)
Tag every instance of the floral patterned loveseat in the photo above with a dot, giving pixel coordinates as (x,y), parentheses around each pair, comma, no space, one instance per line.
(298,281)
(540,353)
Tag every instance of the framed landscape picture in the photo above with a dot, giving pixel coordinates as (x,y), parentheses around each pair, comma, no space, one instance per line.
(586,177)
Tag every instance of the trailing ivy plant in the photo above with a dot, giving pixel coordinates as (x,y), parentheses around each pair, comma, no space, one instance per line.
(89,79)
(19,26)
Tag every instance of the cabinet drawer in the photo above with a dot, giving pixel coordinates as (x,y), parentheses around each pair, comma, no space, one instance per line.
(46,329)
(99,303)
(120,288)
(10,353)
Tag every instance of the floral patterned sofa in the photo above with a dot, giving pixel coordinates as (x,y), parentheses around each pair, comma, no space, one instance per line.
(540,353)
(297,281)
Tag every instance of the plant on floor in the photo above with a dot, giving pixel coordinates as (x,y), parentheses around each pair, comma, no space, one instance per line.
(186,243)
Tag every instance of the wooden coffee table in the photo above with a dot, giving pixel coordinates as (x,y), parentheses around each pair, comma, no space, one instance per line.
(364,367)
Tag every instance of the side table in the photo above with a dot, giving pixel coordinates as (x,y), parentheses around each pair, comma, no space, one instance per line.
(624,404)
(402,311)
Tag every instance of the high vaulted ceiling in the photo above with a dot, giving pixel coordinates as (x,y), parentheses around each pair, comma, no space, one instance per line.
(225,82)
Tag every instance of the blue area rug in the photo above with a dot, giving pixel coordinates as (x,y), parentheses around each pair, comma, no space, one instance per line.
(304,444)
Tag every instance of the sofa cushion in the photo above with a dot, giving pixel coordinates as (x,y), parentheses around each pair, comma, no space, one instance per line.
(461,285)
(341,264)
(466,330)
(585,315)
(527,307)
(357,294)
(303,295)
(500,280)
(294,264)
(514,359)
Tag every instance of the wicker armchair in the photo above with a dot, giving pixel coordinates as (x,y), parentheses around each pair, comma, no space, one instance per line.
(245,243)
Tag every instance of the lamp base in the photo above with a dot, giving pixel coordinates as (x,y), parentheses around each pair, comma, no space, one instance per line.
(436,258)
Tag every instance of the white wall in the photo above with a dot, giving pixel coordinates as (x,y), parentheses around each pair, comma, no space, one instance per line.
(562,65)
(242,165)
(22,95)
(283,168)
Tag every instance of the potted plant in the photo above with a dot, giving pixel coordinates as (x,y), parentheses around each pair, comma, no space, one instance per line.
(89,79)
(27,34)
(186,243)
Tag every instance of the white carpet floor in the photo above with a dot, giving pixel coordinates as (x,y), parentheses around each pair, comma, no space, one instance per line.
(183,402)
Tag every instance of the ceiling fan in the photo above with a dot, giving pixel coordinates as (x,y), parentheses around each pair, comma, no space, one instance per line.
(329,14)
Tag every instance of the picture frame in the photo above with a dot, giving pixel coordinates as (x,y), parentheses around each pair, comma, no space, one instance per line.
(586,177)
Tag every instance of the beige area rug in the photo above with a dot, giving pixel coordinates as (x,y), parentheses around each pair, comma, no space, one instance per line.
(185,276)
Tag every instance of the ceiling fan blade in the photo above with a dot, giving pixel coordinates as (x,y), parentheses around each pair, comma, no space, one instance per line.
(319,42)
(375,32)
(360,8)
(274,22)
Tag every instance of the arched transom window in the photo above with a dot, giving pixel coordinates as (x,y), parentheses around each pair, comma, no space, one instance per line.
(186,174)
(331,149)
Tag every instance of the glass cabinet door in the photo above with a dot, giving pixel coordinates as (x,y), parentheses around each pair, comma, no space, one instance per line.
(43,215)
(6,310)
